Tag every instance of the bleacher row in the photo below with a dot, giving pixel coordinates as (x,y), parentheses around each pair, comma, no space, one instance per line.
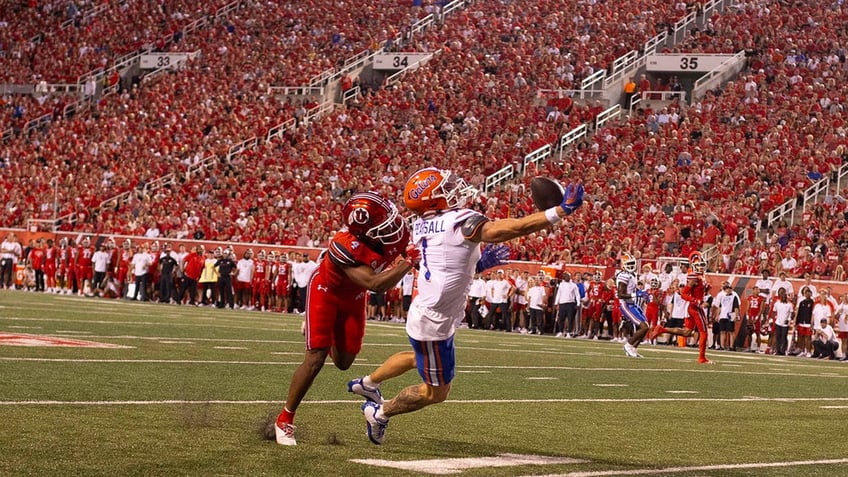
(473,107)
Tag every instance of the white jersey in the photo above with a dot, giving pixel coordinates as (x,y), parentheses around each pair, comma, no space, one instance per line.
(448,261)
(630,280)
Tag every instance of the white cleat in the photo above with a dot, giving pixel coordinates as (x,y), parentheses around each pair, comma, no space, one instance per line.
(630,351)
(376,428)
(285,435)
(372,394)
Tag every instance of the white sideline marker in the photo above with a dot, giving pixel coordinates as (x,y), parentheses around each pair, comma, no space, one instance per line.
(682,392)
(833,407)
(610,385)
(541,378)
(457,465)
(176,342)
(229,347)
(696,468)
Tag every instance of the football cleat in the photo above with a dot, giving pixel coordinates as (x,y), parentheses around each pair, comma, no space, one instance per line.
(630,351)
(356,386)
(376,428)
(704,361)
(285,434)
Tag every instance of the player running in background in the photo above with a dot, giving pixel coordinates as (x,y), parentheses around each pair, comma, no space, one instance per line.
(629,292)
(694,292)
(654,308)
(448,235)
(361,256)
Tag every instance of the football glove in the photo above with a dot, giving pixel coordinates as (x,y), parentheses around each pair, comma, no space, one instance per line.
(572,199)
(641,294)
(492,256)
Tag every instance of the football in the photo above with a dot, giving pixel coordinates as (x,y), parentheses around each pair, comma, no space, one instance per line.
(545,192)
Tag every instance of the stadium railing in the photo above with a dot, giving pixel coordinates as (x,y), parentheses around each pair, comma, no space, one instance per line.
(728,69)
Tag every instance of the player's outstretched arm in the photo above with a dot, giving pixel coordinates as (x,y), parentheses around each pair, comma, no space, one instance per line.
(507,229)
(364,276)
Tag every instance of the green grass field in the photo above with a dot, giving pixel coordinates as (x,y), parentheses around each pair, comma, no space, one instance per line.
(192,387)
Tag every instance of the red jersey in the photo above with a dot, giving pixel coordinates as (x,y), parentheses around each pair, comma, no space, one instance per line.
(36,258)
(694,291)
(656,298)
(281,272)
(51,258)
(64,258)
(595,292)
(755,305)
(347,250)
(83,258)
(260,271)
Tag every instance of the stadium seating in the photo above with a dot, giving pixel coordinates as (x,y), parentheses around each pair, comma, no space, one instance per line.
(473,106)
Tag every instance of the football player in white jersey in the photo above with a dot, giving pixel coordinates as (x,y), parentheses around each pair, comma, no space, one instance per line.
(628,293)
(448,235)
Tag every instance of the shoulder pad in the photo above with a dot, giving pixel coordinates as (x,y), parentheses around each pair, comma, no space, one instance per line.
(471,226)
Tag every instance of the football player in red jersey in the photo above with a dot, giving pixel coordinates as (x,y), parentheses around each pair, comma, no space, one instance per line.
(595,305)
(362,256)
(752,323)
(51,263)
(654,307)
(122,267)
(694,292)
(281,273)
(64,267)
(261,284)
(84,270)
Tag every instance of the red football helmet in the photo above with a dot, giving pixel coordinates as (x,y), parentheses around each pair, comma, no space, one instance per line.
(697,262)
(371,218)
(433,189)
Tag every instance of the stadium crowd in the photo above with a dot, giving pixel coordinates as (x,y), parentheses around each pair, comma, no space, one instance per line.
(472,107)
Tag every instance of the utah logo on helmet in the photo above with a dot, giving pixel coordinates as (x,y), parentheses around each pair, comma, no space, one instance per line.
(431,189)
(372,219)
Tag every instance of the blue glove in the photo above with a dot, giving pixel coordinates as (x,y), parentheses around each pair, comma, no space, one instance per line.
(572,199)
(492,256)
(642,294)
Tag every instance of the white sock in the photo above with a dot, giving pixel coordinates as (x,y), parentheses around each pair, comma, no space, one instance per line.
(379,414)
(367,382)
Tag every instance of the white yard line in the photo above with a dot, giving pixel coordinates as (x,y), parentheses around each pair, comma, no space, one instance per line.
(468,369)
(458,464)
(36,402)
(697,468)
